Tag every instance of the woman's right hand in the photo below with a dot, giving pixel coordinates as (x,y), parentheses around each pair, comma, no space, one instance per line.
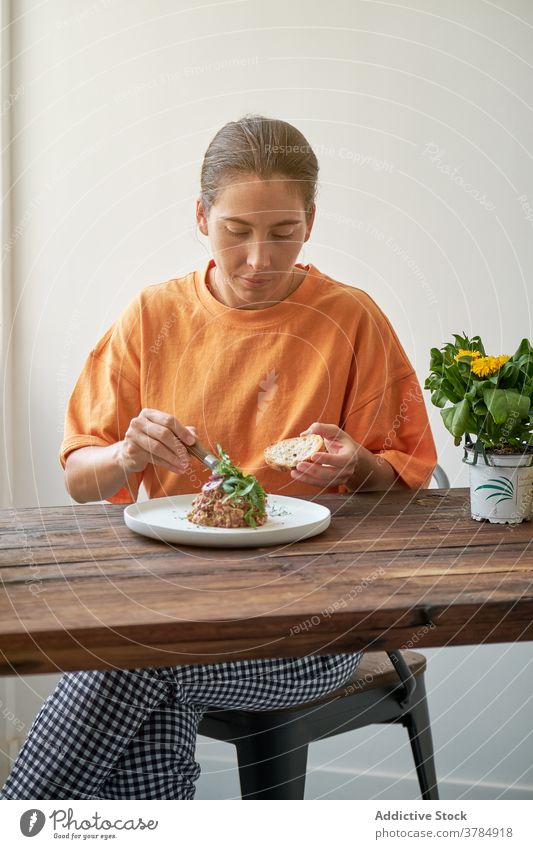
(156,437)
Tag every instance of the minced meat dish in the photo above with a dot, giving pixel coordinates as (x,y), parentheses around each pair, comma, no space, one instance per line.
(229,499)
(209,508)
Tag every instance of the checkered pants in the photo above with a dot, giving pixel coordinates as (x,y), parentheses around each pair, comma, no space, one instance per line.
(131,733)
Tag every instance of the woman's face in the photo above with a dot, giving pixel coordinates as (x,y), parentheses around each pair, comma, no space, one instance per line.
(256,230)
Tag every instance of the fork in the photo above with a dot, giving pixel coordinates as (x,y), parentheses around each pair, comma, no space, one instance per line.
(203,454)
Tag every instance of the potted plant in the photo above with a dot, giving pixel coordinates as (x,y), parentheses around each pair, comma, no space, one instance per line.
(488,401)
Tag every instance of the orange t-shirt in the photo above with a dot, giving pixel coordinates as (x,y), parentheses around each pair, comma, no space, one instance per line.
(248,378)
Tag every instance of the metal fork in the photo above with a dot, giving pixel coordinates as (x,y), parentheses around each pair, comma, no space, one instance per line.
(203,454)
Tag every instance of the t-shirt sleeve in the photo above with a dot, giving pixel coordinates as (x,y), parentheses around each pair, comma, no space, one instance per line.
(384,407)
(395,425)
(106,395)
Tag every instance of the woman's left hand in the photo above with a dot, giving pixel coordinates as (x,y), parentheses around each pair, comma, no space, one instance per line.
(334,466)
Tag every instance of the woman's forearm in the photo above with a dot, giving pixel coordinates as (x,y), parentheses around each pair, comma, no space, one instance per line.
(373,472)
(95,472)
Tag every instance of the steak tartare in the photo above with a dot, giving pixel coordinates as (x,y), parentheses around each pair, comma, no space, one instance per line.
(229,499)
(209,508)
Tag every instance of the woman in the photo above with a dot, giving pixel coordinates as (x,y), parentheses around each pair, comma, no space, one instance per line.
(252,349)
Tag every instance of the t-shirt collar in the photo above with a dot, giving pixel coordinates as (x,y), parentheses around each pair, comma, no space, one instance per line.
(259,318)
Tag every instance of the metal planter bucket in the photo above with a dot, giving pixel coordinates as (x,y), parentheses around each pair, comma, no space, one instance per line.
(501,490)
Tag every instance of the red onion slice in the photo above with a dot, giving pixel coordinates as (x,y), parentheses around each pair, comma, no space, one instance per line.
(214,482)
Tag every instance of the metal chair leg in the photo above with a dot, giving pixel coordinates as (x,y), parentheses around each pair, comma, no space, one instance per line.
(271,766)
(418,725)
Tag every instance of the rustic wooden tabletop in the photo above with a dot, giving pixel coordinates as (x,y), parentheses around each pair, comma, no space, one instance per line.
(403,569)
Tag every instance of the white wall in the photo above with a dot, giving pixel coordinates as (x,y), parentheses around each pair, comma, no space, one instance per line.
(422,120)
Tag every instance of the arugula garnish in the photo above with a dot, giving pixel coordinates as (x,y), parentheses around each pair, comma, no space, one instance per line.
(236,485)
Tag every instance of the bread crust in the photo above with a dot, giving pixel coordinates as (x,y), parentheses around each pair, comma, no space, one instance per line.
(286,454)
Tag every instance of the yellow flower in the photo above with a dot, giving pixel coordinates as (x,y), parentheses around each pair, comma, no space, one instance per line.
(485,366)
(463,353)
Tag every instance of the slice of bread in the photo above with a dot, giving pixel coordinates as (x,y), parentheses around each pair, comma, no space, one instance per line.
(288,453)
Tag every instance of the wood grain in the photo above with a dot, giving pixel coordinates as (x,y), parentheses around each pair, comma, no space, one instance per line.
(400,569)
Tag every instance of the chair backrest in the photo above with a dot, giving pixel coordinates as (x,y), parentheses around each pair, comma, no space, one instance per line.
(441,478)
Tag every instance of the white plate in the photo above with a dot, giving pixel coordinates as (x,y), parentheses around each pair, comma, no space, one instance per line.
(289,520)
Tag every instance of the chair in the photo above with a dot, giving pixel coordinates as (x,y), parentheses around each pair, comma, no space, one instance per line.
(387,687)
(272,745)
(441,478)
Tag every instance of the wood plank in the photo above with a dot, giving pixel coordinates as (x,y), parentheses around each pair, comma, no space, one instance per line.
(79,590)
(407,561)
(145,602)
(39,656)
(392,542)
(66,548)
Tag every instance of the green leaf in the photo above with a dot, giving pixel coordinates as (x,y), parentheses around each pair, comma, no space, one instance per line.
(247,489)
(448,387)
(236,486)
(454,376)
(436,359)
(458,419)
(439,398)
(504,419)
(460,341)
(477,345)
(506,403)
(473,344)
(524,350)
(479,407)
(508,375)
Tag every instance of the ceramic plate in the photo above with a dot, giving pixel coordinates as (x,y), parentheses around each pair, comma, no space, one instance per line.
(289,520)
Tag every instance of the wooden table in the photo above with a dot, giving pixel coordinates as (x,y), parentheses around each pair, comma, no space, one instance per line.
(404,569)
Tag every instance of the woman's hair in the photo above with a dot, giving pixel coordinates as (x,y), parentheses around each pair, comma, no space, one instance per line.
(266,147)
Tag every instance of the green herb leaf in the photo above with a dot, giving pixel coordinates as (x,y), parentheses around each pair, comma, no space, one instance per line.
(239,486)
